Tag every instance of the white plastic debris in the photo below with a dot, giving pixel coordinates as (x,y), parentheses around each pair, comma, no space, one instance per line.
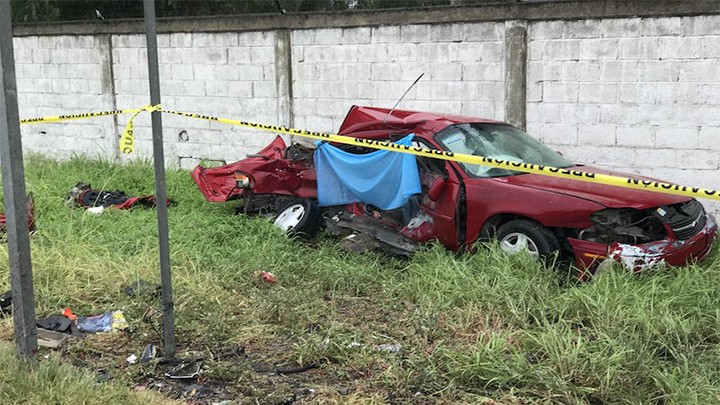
(96,210)
(132,359)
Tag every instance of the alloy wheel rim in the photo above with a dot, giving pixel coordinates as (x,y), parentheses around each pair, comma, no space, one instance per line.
(290,218)
(517,242)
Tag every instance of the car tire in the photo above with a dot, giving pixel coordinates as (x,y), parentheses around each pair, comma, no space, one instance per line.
(298,217)
(524,235)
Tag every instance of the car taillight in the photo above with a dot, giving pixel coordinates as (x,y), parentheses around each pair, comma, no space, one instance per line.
(242,180)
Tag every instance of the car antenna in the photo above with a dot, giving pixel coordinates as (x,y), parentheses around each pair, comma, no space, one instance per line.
(401,97)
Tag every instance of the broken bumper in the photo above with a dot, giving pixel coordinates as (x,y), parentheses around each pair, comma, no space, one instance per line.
(668,251)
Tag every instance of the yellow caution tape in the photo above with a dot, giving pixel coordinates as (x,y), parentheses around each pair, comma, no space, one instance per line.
(58,118)
(127,145)
(127,140)
(572,174)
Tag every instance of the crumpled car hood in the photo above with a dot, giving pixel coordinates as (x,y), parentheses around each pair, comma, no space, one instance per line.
(609,196)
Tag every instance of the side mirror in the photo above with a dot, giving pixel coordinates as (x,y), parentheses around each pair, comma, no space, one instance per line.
(436,189)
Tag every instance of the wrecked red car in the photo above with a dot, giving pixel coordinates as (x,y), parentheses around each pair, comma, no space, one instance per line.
(460,204)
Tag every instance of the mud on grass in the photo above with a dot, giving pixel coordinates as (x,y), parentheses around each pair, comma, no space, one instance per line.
(348,328)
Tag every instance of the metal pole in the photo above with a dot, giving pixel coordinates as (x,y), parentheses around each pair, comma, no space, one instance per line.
(13,177)
(159,159)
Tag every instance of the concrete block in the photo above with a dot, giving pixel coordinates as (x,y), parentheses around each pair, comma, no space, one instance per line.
(236,56)
(698,159)
(547,29)
(128,41)
(256,38)
(445,106)
(447,32)
(204,72)
(699,71)
(562,50)
(240,89)
(588,71)
(250,72)
(372,53)
(491,91)
(358,35)
(264,89)
(461,91)
(262,54)
(629,93)
(414,33)
(23,55)
(680,48)
(620,27)
(594,49)
(709,93)
(385,71)
(402,52)
(711,47)
(709,137)
(619,114)
(208,55)
(544,71)
(680,138)
(214,40)
(302,37)
(701,25)
(560,92)
(643,48)
(637,135)
(483,32)
(596,134)
(433,52)
(619,71)
(446,72)
(182,72)
(47,42)
(225,72)
(482,72)
(583,29)
(658,71)
(535,50)
(558,134)
(597,93)
(304,71)
(464,52)
(492,51)
(534,92)
(181,40)
(481,109)
(667,26)
(57,71)
(328,36)
(385,34)
(170,55)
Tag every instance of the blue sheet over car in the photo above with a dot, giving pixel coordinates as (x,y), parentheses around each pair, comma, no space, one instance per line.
(382,178)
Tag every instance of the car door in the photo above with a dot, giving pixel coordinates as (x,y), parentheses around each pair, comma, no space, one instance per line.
(440,212)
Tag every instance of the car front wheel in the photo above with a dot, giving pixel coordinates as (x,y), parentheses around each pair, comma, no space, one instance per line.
(527,236)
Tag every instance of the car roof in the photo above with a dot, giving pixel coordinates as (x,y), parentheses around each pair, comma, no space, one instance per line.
(374,122)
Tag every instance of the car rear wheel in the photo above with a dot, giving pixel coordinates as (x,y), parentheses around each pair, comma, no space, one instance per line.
(298,217)
(527,236)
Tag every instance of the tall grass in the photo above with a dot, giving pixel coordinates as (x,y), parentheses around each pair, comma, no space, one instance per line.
(470,327)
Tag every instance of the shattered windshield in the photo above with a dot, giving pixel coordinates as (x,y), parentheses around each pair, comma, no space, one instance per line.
(497,141)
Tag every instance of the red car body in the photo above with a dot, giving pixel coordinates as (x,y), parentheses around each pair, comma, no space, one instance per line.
(591,222)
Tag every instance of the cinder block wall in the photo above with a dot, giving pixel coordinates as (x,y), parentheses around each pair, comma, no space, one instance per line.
(462,67)
(637,94)
(641,95)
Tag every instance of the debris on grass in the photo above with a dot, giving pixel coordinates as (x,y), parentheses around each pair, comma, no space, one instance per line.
(268,277)
(51,339)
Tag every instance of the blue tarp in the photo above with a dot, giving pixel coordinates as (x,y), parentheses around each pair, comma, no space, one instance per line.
(382,178)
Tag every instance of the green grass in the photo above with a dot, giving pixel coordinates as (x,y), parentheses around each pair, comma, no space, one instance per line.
(472,328)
